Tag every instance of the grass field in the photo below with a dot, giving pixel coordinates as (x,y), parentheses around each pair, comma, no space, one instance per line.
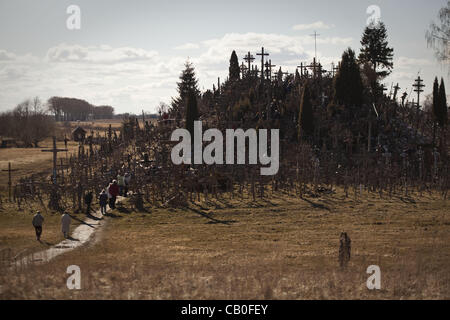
(282,248)
(29,161)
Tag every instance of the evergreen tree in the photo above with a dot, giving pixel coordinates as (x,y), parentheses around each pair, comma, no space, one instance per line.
(191,112)
(297,76)
(436,96)
(188,83)
(348,85)
(234,70)
(375,49)
(442,119)
(280,75)
(305,116)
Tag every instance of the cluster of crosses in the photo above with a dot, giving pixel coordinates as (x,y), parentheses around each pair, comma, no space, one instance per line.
(314,69)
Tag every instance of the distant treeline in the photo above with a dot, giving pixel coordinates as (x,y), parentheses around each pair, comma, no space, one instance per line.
(27,124)
(72,109)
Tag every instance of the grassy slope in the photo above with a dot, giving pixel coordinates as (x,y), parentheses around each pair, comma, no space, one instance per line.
(286,248)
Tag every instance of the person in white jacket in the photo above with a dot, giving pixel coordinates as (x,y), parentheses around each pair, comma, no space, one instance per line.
(65,224)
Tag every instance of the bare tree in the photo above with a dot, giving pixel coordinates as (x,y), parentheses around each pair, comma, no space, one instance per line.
(28,122)
(438,35)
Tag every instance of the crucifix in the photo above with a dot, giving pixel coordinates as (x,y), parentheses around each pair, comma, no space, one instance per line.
(334,69)
(249,58)
(313,67)
(10,180)
(55,152)
(269,67)
(418,88)
(315,35)
(262,54)
(302,67)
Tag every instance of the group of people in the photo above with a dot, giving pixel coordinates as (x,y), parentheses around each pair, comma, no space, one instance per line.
(108,196)
(38,221)
(116,188)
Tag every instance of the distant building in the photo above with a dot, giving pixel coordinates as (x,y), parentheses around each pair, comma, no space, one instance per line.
(7,142)
(79,134)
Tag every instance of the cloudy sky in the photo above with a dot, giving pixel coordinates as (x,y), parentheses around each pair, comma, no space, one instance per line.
(129,54)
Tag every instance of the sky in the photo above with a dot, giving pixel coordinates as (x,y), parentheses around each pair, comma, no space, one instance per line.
(129,54)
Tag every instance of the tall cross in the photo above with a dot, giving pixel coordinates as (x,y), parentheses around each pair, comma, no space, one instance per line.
(262,54)
(249,58)
(268,70)
(55,153)
(10,179)
(418,88)
(334,69)
(315,35)
(313,66)
(301,66)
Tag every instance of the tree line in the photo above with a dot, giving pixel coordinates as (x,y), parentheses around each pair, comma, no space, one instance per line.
(72,109)
(29,122)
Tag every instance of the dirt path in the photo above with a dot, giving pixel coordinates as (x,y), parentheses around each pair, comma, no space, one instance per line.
(79,236)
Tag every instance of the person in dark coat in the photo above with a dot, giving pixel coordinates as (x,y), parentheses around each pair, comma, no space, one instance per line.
(88,201)
(103,199)
(37,222)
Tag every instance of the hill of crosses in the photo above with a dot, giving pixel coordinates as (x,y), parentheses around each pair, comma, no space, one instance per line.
(336,127)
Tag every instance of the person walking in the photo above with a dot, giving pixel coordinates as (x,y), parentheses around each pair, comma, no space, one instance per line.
(103,199)
(65,224)
(127,179)
(114,192)
(88,200)
(37,222)
(121,183)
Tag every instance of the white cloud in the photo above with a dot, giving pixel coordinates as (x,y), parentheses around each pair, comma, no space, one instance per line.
(406,62)
(97,54)
(318,25)
(130,78)
(188,46)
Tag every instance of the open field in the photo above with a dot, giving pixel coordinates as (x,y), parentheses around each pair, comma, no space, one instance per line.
(282,248)
(30,160)
(33,161)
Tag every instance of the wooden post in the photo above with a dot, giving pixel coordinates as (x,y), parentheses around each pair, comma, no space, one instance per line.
(55,152)
(10,180)
(249,58)
(262,54)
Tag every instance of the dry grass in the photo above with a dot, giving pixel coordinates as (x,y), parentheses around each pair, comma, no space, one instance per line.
(33,161)
(285,248)
(17,232)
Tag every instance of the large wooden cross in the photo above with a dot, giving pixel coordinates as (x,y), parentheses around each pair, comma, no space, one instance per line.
(249,58)
(262,54)
(334,69)
(302,67)
(55,153)
(270,65)
(418,85)
(314,66)
(10,180)
(315,35)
